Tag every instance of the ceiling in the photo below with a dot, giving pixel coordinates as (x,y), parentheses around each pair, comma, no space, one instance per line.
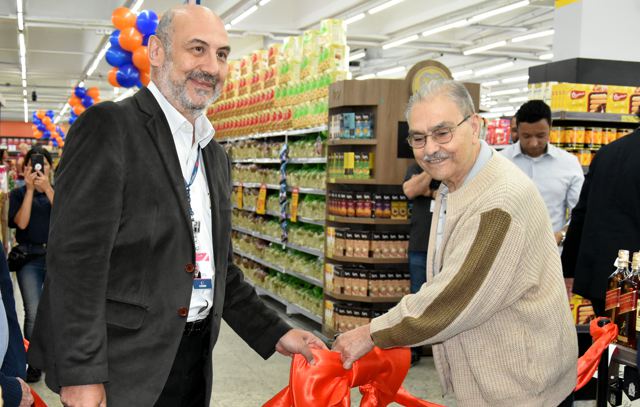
(64,38)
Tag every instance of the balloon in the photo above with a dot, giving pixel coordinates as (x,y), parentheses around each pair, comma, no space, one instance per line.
(80,92)
(61,144)
(55,143)
(113,38)
(145,40)
(37,134)
(41,127)
(123,18)
(117,57)
(50,114)
(51,127)
(144,79)
(37,121)
(40,114)
(46,134)
(141,58)
(74,101)
(94,93)
(35,116)
(72,119)
(112,77)
(147,22)
(46,120)
(73,114)
(127,76)
(87,101)
(78,109)
(130,39)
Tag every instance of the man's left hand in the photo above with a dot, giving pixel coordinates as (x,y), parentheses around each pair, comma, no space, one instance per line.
(299,341)
(353,345)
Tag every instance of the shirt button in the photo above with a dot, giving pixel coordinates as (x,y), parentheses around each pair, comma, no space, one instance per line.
(183,311)
(189,268)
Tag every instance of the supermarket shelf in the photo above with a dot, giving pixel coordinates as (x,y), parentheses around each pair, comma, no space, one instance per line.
(311,160)
(368,221)
(291,308)
(253,210)
(352,142)
(367,260)
(283,270)
(255,136)
(352,181)
(257,161)
(595,117)
(356,298)
(310,130)
(308,250)
(301,219)
(624,355)
(255,185)
(256,234)
(310,191)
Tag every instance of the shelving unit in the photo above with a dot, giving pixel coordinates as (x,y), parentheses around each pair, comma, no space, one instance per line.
(369,300)
(367,221)
(367,260)
(288,133)
(290,307)
(280,269)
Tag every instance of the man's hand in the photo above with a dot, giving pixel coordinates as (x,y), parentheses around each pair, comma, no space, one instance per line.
(353,345)
(27,398)
(568,283)
(299,341)
(87,395)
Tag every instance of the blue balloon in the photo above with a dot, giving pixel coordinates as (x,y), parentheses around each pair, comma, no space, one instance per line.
(41,127)
(50,114)
(147,22)
(35,117)
(145,39)
(118,57)
(36,120)
(127,76)
(46,134)
(80,92)
(87,101)
(113,38)
(55,143)
(72,119)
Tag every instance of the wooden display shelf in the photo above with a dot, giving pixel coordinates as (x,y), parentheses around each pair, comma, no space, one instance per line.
(367,221)
(356,298)
(352,142)
(367,260)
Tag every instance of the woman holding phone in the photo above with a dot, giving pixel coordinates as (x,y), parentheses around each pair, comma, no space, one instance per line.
(29,213)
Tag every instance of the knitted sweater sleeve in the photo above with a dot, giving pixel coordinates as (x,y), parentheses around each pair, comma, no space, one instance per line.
(479,277)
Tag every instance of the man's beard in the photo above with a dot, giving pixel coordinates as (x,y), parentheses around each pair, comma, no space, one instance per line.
(178,89)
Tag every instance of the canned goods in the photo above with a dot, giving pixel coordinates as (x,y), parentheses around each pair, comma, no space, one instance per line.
(610,135)
(555,137)
(597,137)
(579,137)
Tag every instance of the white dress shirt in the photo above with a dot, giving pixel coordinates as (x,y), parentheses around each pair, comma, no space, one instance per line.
(183,136)
(558,176)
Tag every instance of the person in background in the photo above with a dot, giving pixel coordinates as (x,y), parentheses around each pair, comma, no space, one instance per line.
(29,213)
(15,392)
(421,190)
(557,174)
(23,148)
(514,130)
(605,220)
(494,307)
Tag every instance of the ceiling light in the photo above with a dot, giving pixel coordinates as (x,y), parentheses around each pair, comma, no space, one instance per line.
(355,18)
(263,2)
(125,95)
(137,6)
(384,6)
(81,84)
(365,77)
(518,99)
(460,74)
(227,27)
(502,109)
(456,24)
(19,6)
(501,10)
(494,68)
(26,110)
(20,21)
(546,56)
(23,47)
(24,92)
(399,42)
(391,71)
(116,91)
(496,115)
(540,34)
(504,92)
(24,83)
(485,47)
(98,58)
(489,103)
(23,69)
(514,79)
(244,15)
(357,55)
(490,83)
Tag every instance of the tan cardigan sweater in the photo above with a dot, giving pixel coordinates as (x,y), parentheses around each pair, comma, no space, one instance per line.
(497,313)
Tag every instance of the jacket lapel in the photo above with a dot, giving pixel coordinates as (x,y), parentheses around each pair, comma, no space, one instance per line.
(213,181)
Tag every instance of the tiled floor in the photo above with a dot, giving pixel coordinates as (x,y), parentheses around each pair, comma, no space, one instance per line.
(243,379)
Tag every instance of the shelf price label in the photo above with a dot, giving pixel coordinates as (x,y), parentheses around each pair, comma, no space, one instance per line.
(239,196)
(295,195)
(628,118)
(261,205)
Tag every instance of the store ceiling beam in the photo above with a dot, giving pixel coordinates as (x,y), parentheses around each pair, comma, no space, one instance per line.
(501,27)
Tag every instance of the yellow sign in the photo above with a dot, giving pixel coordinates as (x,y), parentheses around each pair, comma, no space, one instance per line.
(426,75)
(239,196)
(562,3)
(295,194)
(261,205)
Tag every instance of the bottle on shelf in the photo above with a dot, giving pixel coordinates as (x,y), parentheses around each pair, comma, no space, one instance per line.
(612,298)
(626,314)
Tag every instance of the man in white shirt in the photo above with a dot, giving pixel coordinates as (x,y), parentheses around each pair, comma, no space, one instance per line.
(557,174)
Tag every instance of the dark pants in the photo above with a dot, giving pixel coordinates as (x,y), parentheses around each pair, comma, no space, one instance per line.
(185,386)
(417,269)
(30,280)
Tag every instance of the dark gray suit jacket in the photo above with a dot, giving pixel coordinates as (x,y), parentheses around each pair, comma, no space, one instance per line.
(119,241)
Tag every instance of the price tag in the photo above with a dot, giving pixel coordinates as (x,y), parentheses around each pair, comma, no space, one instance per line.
(295,194)
(261,205)
(239,196)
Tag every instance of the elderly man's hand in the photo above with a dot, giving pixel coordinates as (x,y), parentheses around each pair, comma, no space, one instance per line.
(353,345)
(299,341)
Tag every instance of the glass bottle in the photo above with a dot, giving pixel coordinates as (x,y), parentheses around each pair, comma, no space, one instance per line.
(612,298)
(626,318)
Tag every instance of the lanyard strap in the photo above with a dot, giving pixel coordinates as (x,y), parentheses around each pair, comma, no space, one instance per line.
(194,172)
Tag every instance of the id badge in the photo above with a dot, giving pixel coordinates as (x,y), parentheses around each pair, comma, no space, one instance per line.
(202,284)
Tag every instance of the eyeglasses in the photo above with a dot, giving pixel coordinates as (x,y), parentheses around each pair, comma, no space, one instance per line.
(442,135)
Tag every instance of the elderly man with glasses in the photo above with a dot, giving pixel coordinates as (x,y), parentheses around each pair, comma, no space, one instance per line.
(494,307)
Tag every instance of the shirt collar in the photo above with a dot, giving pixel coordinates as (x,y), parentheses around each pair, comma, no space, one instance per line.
(552,151)
(483,158)
(204,130)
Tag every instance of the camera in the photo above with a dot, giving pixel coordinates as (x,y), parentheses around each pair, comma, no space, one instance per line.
(37,162)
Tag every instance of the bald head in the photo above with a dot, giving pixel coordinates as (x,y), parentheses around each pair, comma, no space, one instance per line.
(182,13)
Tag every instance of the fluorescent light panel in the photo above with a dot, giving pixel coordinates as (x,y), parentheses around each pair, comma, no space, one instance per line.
(498,11)
(485,47)
(19,6)
(23,46)
(137,6)
(502,109)
(494,68)
(355,18)
(97,60)
(20,22)
(490,83)
(518,99)
(460,74)
(400,41)
(504,92)
(527,37)
(263,2)
(514,79)
(455,24)
(365,77)
(125,95)
(244,14)
(384,6)
(545,57)
(391,71)
(357,55)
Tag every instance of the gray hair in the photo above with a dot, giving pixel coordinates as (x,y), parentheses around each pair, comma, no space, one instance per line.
(453,90)
(165,29)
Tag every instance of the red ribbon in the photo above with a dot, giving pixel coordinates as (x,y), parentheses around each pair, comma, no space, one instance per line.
(602,337)
(379,376)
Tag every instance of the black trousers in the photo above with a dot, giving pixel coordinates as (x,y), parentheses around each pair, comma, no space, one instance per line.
(185,386)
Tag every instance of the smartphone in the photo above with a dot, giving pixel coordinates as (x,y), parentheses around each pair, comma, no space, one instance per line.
(37,162)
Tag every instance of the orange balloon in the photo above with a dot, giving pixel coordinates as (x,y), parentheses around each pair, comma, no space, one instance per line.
(37,134)
(78,110)
(40,114)
(51,127)
(46,120)
(61,144)
(130,39)
(74,100)
(112,77)
(141,59)
(144,78)
(94,93)
(123,18)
